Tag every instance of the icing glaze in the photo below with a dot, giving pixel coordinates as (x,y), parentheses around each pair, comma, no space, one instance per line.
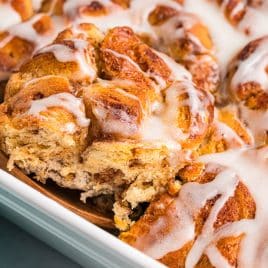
(64,100)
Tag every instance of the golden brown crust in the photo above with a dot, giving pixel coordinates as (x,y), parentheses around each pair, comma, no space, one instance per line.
(53,7)
(45,63)
(188,119)
(199,57)
(117,107)
(229,8)
(128,47)
(226,132)
(35,90)
(250,92)
(122,3)
(161,14)
(23,7)
(240,206)
(16,50)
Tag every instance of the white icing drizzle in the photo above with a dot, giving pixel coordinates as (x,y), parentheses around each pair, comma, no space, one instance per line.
(162,125)
(157,82)
(119,84)
(263,5)
(192,100)
(117,121)
(135,17)
(253,69)
(126,58)
(127,94)
(224,184)
(52,6)
(254,21)
(252,168)
(46,77)
(79,54)
(8,15)
(228,40)
(178,72)
(26,31)
(249,166)
(37,4)
(121,123)
(169,32)
(257,121)
(66,101)
(180,216)
(5,40)
(69,128)
(155,129)
(180,233)
(239,7)
(71,7)
(229,135)
(216,259)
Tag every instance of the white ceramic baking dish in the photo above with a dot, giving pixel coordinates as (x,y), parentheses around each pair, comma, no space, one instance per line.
(67,232)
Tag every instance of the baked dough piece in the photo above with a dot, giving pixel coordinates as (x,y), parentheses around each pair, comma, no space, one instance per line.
(185,230)
(151,90)
(128,109)
(247,75)
(218,218)
(43,118)
(15,12)
(16,48)
(186,39)
(234,10)
(38,25)
(81,112)
(163,25)
(247,87)
(51,7)
(227,132)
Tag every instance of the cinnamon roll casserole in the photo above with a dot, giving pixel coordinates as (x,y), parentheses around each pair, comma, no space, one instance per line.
(160,105)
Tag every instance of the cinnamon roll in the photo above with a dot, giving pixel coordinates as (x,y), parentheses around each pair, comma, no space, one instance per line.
(246,84)
(186,39)
(18,42)
(211,222)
